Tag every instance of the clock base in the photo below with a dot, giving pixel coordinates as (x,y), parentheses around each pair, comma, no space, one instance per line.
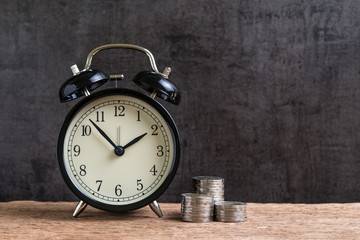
(156,208)
(80,207)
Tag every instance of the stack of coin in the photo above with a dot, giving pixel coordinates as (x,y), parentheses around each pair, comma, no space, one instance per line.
(213,186)
(230,211)
(197,207)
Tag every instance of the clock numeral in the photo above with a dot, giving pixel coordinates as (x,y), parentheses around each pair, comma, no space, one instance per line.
(138,115)
(160,152)
(140,186)
(99,182)
(118,190)
(76,150)
(82,170)
(86,130)
(119,111)
(155,128)
(100,116)
(153,170)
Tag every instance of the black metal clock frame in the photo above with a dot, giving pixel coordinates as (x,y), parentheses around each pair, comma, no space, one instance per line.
(121,92)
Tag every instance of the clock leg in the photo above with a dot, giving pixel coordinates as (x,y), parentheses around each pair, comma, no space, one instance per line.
(79,208)
(156,208)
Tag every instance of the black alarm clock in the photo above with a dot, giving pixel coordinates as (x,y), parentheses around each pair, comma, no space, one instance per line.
(118,149)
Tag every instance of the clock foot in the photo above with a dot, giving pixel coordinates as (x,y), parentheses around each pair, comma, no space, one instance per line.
(79,209)
(156,208)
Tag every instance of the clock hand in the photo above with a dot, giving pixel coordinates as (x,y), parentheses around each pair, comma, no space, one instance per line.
(135,140)
(103,134)
(119,136)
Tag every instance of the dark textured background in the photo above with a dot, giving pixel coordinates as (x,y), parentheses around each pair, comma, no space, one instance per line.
(270,90)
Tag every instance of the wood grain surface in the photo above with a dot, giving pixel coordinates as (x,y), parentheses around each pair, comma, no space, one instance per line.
(53,220)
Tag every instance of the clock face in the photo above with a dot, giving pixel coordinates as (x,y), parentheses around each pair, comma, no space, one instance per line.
(118,150)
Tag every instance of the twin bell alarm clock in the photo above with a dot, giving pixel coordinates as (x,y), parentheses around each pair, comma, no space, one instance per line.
(118,149)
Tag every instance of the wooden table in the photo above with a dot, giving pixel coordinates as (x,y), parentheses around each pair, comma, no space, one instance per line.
(53,220)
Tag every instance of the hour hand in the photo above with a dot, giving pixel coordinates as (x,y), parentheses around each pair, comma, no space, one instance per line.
(135,140)
(103,134)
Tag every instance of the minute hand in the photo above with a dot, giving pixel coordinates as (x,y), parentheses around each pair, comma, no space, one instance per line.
(135,140)
(103,134)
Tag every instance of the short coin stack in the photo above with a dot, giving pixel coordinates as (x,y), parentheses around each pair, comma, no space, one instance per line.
(213,186)
(230,211)
(197,207)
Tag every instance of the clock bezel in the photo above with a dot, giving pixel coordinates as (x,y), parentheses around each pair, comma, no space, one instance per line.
(125,92)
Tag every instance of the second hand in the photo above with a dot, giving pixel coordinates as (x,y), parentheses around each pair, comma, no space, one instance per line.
(119,136)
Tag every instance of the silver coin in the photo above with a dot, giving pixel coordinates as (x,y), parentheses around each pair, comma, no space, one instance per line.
(218,186)
(229,214)
(213,190)
(207,178)
(211,185)
(197,213)
(199,220)
(197,207)
(230,211)
(208,186)
(197,203)
(230,204)
(195,196)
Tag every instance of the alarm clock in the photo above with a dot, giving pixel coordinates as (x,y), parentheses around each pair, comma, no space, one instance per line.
(118,149)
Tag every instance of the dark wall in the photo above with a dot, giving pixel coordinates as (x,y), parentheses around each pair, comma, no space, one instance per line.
(270,90)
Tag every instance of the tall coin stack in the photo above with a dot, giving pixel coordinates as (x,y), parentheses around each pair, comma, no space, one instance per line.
(230,211)
(213,186)
(197,207)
